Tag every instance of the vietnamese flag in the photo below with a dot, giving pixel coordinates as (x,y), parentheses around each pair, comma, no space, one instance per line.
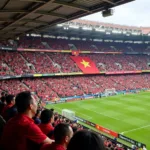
(75,52)
(85,64)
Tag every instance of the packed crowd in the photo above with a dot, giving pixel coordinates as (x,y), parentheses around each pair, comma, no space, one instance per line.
(63,44)
(58,87)
(19,63)
(28,126)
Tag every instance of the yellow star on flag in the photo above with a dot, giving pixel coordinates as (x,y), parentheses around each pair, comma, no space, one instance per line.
(85,63)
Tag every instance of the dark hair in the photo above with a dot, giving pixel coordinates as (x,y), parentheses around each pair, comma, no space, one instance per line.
(56,118)
(3,93)
(9,98)
(52,109)
(75,129)
(46,116)
(2,105)
(3,99)
(60,131)
(86,140)
(23,100)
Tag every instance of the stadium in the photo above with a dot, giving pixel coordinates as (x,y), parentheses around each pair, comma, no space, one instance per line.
(93,73)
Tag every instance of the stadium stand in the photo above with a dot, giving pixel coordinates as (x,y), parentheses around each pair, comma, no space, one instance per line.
(19,63)
(31,16)
(63,44)
(52,88)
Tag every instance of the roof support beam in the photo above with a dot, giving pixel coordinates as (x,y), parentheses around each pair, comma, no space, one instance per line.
(5,4)
(14,11)
(109,1)
(51,14)
(25,20)
(35,21)
(36,1)
(76,6)
(23,16)
(20,26)
(6,20)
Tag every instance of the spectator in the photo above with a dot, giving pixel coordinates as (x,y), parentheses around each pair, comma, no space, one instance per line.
(47,118)
(62,134)
(86,140)
(55,121)
(11,112)
(36,118)
(75,129)
(10,100)
(2,124)
(2,104)
(2,94)
(144,148)
(52,109)
(20,131)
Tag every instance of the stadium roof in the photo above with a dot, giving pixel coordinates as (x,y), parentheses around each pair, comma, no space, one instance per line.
(24,16)
(79,28)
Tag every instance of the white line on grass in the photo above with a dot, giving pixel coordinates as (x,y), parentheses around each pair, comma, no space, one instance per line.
(88,117)
(100,113)
(57,108)
(135,129)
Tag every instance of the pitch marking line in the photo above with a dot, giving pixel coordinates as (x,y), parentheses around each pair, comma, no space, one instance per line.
(88,117)
(57,107)
(135,129)
(100,113)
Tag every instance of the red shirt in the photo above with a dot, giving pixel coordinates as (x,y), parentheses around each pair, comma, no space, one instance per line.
(52,146)
(20,132)
(46,128)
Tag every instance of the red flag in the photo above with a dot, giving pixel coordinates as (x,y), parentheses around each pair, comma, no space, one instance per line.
(85,64)
(75,52)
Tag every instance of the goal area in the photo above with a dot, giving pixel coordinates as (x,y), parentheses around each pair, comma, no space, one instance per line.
(68,114)
(110,92)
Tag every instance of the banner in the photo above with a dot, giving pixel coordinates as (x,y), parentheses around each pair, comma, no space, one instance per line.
(86,122)
(75,52)
(100,128)
(72,74)
(107,131)
(37,75)
(85,64)
(124,138)
(123,72)
(97,52)
(7,48)
(37,50)
(145,71)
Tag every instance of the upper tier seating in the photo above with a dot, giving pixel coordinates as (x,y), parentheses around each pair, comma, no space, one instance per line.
(19,63)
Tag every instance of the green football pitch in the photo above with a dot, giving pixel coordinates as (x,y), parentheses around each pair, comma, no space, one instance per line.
(125,114)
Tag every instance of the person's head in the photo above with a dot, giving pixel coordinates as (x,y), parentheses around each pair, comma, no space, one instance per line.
(47,116)
(2,94)
(52,109)
(62,134)
(56,118)
(26,103)
(10,99)
(75,129)
(86,140)
(3,99)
